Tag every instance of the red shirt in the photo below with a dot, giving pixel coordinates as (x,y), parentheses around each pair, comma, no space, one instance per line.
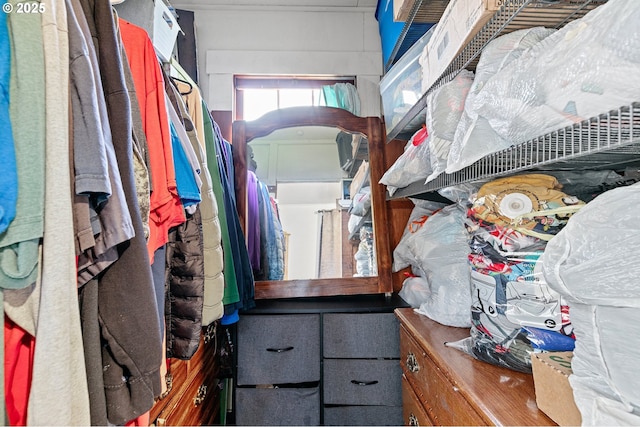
(166,209)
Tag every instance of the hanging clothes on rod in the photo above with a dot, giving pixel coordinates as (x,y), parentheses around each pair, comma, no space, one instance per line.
(142,213)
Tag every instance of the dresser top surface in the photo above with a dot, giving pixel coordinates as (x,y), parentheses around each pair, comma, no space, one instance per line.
(500,395)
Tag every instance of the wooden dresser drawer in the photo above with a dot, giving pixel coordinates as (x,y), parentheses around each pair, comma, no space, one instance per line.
(433,388)
(362,415)
(277,406)
(181,373)
(413,413)
(278,349)
(365,335)
(206,349)
(197,404)
(362,382)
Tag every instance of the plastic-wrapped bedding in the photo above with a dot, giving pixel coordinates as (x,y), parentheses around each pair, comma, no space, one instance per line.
(404,253)
(444,108)
(588,67)
(593,263)
(605,370)
(413,164)
(592,260)
(474,138)
(436,247)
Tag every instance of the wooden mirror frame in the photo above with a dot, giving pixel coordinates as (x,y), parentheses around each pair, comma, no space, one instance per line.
(372,128)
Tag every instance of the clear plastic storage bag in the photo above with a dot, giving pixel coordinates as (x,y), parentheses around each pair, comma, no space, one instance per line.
(514,312)
(365,256)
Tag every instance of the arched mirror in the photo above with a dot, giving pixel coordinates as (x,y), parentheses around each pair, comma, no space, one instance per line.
(316,165)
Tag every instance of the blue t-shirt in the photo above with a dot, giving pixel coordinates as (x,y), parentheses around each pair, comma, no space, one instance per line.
(187,186)
(9,175)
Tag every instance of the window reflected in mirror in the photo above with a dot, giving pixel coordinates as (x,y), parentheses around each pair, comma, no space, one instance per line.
(315,181)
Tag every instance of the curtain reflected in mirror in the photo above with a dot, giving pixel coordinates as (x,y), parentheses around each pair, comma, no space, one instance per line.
(315,182)
(330,244)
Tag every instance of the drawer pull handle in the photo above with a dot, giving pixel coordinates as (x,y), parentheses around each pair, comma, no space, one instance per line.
(169,382)
(364,382)
(412,362)
(413,420)
(202,393)
(280,350)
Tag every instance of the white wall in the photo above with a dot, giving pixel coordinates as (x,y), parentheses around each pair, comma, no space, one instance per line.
(288,40)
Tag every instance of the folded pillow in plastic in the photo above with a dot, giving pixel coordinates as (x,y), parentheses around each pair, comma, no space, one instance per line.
(474,138)
(444,108)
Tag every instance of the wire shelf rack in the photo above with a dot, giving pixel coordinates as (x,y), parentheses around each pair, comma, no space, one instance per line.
(608,141)
(513,15)
(422,12)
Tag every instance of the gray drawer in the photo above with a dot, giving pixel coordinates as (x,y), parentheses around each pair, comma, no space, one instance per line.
(277,406)
(366,335)
(275,349)
(363,416)
(362,382)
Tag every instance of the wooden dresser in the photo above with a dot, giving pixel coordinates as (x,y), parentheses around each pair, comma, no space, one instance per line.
(193,396)
(444,386)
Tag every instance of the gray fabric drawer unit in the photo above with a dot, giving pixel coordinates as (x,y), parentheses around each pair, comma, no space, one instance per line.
(362,382)
(277,406)
(363,416)
(278,349)
(364,335)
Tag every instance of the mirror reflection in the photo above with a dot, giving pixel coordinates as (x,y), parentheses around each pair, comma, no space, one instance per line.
(313,204)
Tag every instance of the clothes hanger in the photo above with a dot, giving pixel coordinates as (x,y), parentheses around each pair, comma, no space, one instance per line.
(185,82)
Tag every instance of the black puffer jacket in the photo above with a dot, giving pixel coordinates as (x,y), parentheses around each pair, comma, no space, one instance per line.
(184,287)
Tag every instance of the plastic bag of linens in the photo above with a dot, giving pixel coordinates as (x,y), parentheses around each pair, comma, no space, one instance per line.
(513,311)
(403,255)
(354,221)
(413,164)
(436,247)
(593,263)
(590,66)
(444,108)
(361,203)
(474,138)
(365,256)
(415,290)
